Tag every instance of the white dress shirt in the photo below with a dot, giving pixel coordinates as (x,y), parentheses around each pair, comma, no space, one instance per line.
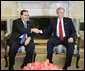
(62,27)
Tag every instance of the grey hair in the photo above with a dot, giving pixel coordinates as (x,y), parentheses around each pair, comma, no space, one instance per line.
(59,9)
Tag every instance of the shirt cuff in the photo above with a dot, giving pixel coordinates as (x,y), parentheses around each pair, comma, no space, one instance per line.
(41,31)
(31,31)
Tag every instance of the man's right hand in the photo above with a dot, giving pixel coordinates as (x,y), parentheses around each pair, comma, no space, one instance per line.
(35,30)
(70,40)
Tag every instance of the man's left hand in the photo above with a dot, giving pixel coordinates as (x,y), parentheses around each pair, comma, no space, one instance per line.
(27,40)
(70,40)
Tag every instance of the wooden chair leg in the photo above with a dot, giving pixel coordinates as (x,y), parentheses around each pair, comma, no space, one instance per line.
(34,56)
(78,57)
(6,65)
(56,52)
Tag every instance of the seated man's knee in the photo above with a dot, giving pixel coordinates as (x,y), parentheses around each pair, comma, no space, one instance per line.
(49,42)
(70,48)
(12,52)
(13,49)
(30,50)
(70,53)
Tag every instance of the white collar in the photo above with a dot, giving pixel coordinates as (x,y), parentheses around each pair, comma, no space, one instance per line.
(59,18)
(23,21)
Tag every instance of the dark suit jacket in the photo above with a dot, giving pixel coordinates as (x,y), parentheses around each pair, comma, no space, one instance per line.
(68,27)
(18,30)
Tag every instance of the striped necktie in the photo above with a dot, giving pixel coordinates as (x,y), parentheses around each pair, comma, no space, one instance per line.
(23,38)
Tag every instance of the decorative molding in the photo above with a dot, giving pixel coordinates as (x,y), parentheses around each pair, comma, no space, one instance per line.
(42,8)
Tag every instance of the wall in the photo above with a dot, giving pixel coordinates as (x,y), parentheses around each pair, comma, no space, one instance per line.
(75,9)
(42,8)
(8,9)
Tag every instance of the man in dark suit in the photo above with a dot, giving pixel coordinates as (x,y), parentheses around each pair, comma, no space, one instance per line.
(21,26)
(63,33)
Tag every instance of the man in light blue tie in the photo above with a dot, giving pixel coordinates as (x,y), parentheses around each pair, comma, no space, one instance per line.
(21,35)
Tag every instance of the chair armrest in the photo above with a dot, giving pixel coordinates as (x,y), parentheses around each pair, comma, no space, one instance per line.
(7,35)
(78,36)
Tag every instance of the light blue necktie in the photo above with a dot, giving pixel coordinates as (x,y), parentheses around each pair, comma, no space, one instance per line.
(25,24)
(24,35)
(23,38)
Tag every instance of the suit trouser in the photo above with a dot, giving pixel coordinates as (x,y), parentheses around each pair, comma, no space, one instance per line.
(55,42)
(14,49)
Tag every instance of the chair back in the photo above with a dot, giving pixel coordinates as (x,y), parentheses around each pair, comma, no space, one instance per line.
(76,23)
(9,25)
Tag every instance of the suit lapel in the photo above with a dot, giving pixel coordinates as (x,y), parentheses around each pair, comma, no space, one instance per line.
(64,22)
(56,24)
(22,24)
(28,24)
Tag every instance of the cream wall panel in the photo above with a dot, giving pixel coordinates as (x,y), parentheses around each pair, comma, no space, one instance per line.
(8,9)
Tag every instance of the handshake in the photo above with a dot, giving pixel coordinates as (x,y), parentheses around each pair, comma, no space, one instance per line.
(35,30)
